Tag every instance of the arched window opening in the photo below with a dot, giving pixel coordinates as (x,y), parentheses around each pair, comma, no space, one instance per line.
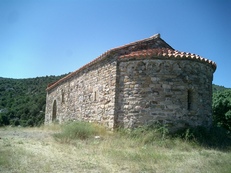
(54,111)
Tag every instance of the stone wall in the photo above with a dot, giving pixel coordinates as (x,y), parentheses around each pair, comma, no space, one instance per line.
(174,92)
(136,84)
(88,95)
(136,91)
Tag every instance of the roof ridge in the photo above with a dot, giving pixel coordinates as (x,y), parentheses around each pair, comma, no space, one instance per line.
(166,52)
(156,36)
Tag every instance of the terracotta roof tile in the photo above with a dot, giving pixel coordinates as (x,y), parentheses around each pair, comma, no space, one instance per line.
(168,53)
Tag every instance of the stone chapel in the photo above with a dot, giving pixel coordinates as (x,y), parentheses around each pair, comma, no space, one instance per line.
(139,83)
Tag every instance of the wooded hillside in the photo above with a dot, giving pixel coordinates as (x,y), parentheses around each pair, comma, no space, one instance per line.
(22,101)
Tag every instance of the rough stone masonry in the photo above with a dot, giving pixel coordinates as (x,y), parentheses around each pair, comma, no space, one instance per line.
(140,83)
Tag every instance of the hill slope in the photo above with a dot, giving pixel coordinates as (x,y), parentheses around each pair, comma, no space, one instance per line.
(22,101)
(218,88)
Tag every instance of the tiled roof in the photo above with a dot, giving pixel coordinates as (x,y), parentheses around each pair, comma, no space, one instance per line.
(168,53)
(159,43)
(152,46)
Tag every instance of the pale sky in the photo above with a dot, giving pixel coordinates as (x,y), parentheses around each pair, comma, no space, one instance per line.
(54,37)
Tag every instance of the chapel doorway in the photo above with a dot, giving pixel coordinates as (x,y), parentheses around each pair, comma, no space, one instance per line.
(54,111)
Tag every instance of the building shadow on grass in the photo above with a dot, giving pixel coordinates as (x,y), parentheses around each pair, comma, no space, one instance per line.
(215,138)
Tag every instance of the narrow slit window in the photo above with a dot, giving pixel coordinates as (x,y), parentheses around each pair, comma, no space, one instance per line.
(54,111)
(62,96)
(189,100)
(95,96)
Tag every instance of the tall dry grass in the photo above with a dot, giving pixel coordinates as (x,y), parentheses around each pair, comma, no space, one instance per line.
(84,147)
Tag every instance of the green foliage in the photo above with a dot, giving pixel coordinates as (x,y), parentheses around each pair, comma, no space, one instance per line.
(76,130)
(156,134)
(147,134)
(214,137)
(22,101)
(222,109)
(4,120)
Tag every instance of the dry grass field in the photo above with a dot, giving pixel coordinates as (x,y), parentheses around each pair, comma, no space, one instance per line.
(51,149)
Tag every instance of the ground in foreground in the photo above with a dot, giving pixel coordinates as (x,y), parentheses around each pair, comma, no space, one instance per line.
(36,150)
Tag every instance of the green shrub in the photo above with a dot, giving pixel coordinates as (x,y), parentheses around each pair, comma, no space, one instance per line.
(4,120)
(146,134)
(30,123)
(222,109)
(76,130)
(214,137)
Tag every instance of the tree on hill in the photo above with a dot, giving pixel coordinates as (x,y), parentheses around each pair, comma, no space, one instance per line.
(22,101)
(222,109)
